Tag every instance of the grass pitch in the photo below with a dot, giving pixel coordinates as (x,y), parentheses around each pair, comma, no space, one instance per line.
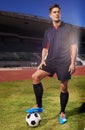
(17,96)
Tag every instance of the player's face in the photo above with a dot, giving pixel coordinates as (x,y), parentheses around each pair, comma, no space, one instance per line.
(55,14)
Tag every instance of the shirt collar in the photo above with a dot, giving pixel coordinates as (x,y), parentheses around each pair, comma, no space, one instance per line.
(61,24)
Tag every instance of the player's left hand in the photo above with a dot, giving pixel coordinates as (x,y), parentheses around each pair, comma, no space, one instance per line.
(71,68)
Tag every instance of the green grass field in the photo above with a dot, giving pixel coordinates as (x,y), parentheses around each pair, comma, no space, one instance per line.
(17,96)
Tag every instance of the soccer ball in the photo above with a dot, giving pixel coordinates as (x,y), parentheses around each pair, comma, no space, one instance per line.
(33,119)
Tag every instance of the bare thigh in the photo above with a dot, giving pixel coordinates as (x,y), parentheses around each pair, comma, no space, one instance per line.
(38,75)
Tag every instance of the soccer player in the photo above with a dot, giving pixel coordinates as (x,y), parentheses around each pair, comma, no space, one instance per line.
(58,56)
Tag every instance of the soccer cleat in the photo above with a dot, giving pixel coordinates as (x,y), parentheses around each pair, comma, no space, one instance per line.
(62,118)
(34,109)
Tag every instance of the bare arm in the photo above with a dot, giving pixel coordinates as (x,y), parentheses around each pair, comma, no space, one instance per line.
(44,55)
(73,58)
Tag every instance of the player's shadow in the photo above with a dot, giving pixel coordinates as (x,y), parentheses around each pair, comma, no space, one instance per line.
(69,113)
(76,111)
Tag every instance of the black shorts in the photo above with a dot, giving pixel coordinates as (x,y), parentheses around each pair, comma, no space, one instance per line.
(61,71)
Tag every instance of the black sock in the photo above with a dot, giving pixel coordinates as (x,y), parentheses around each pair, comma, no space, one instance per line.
(38,90)
(63,100)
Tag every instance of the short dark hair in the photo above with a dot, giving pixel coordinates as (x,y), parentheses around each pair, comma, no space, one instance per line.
(54,6)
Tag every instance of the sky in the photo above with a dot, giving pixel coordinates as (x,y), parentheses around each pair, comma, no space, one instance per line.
(72,11)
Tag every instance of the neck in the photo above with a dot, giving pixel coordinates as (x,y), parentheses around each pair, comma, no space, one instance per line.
(57,23)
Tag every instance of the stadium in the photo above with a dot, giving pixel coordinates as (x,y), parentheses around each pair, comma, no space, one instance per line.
(21,38)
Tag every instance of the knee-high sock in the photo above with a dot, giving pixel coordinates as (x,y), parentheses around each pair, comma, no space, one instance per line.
(38,90)
(63,100)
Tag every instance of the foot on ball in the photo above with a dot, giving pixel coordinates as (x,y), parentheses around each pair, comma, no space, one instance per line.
(34,109)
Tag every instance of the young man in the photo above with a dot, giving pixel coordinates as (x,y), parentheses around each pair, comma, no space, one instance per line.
(58,56)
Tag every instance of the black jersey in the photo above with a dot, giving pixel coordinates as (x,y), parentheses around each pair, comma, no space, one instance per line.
(59,41)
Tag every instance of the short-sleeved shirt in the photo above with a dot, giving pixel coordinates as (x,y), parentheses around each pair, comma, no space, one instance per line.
(59,42)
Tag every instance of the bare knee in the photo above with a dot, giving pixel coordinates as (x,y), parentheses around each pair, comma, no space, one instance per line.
(38,76)
(35,78)
(64,86)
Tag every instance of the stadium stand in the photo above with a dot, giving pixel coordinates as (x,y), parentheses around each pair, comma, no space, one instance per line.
(21,39)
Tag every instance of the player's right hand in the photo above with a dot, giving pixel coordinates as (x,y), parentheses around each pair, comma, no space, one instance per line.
(41,64)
